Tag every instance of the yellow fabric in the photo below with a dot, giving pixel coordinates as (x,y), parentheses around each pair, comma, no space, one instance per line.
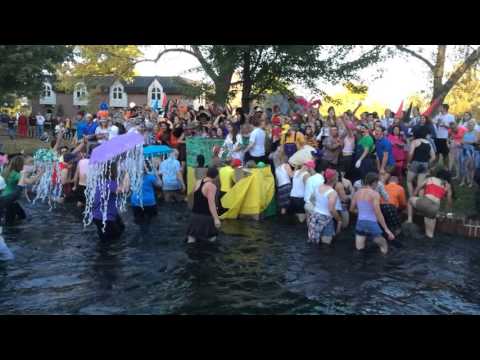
(291,139)
(191,181)
(226,175)
(251,195)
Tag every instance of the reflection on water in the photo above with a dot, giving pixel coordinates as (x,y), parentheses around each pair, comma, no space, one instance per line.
(255,268)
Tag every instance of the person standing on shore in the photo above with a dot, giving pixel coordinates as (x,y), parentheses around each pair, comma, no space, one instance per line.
(40,125)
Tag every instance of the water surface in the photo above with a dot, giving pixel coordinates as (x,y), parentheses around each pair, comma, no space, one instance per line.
(255,268)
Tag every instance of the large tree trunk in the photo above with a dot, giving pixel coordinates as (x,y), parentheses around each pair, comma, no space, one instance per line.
(441,90)
(438,71)
(247,81)
(222,88)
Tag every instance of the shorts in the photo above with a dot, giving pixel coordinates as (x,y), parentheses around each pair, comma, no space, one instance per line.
(389,169)
(113,228)
(427,207)
(297,205)
(368,228)
(390,213)
(320,225)
(283,196)
(418,167)
(80,194)
(173,195)
(202,227)
(442,146)
(145,214)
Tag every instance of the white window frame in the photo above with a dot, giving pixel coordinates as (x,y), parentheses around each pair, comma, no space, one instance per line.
(50,97)
(157,86)
(81,100)
(118,96)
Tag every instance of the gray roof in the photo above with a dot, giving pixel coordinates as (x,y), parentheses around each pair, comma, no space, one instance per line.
(140,84)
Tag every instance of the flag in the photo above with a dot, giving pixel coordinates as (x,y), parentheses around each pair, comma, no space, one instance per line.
(432,107)
(406,118)
(399,112)
(164,101)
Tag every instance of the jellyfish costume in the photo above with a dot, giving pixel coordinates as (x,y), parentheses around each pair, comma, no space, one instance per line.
(126,151)
(49,186)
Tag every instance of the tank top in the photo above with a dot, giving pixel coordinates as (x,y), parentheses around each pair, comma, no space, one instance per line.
(298,186)
(365,211)
(422,153)
(321,202)
(435,190)
(470,137)
(200,202)
(348,145)
(282,176)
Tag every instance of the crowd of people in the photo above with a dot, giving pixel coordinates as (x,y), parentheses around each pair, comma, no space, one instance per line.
(379,169)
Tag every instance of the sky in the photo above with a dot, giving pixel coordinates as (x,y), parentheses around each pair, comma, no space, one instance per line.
(402,76)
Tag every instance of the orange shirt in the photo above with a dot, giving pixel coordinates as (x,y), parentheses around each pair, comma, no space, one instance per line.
(396,195)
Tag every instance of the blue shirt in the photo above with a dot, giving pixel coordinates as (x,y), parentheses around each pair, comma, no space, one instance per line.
(80,128)
(148,192)
(382,146)
(90,129)
(169,169)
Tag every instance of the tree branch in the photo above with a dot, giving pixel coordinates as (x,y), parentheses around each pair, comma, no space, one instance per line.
(414,54)
(163,52)
(473,58)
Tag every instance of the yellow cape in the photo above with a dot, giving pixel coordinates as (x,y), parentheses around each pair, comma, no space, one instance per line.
(251,195)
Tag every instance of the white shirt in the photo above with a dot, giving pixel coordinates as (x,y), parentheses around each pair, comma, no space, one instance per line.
(112,132)
(229,145)
(257,137)
(40,119)
(282,176)
(313,183)
(443,119)
(298,184)
(100,131)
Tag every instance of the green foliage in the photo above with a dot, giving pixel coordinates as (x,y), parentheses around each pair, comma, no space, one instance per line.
(465,96)
(98,60)
(23,68)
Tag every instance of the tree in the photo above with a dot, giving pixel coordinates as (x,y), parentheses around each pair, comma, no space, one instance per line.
(349,98)
(465,96)
(276,67)
(442,84)
(90,61)
(23,68)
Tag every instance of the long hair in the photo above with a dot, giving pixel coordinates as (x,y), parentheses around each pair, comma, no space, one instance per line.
(234,134)
(16,164)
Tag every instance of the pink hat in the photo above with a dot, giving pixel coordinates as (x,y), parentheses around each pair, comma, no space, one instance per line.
(310,164)
(330,174)
(236,163)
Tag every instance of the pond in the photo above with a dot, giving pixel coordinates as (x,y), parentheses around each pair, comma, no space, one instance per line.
(255,268)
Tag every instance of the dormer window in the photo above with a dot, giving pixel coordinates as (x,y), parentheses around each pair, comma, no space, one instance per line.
(80,95)
(118,97)
(155,91)
(48,96)
(47,91)
(117,93)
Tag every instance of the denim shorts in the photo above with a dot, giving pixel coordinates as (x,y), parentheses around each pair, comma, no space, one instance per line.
(368,228)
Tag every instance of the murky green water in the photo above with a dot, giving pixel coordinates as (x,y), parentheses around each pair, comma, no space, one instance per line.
(256,268)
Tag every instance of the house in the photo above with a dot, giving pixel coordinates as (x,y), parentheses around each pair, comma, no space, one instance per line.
(142,90)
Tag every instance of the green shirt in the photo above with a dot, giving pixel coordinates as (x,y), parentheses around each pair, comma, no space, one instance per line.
(11,181)
(367,143)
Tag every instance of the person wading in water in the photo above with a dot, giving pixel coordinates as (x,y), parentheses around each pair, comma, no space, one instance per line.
(205,222)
